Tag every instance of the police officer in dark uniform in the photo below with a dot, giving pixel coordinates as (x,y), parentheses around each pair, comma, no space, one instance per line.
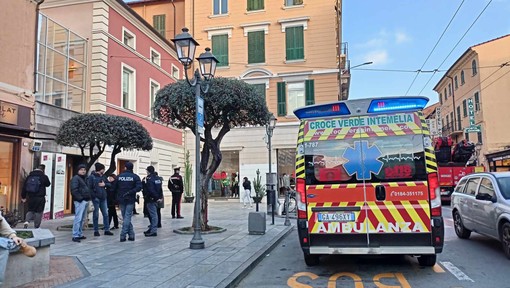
(127,184)
(153,195)
(176,187)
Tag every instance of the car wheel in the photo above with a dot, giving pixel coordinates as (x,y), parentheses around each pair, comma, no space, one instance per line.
(505,239)
(460,230)
(311,259)
(427,260)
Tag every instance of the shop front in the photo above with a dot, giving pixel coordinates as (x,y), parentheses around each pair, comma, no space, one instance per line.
(499,161)
(225,181)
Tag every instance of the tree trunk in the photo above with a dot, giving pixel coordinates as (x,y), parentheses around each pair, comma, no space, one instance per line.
(113,165)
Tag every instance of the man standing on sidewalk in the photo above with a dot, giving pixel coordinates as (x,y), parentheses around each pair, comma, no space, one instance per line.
(81,197)
(128,183)
(176,187)
(97,184)
(153,195)
(34,189)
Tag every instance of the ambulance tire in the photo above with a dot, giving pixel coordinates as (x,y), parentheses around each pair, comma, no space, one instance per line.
(312,259)
(427,260)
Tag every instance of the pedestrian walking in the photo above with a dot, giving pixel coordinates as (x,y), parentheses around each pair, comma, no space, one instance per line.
(153,195)
(97,185)
(34,193)
(111,199)
(247,192)
(81,197)
(127,185)
(176,187)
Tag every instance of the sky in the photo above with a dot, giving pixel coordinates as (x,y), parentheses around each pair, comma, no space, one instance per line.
(400,35)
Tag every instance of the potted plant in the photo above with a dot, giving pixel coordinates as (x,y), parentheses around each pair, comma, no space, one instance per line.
(188,171)
(260,190)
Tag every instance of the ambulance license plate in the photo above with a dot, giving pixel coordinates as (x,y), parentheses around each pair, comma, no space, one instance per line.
(336,217)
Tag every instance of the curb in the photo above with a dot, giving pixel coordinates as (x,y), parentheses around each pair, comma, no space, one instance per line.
(234,278)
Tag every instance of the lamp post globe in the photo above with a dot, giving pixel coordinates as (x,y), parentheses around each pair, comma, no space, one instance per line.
(185,46)
(207,63)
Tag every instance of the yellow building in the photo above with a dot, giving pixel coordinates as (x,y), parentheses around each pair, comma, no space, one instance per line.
(474,105)
(288,49)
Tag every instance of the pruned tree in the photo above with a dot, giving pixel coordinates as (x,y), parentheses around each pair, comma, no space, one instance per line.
(229,103)
(93,132)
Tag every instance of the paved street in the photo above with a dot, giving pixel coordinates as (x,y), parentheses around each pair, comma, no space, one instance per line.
(477,262)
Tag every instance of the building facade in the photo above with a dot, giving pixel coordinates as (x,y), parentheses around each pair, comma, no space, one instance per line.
(17,62)
(111,61)
(287,49)
(472,99)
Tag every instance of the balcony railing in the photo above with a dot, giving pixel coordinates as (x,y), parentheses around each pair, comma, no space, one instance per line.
(450,128)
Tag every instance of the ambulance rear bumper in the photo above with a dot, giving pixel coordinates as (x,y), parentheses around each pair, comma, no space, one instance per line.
(407,250)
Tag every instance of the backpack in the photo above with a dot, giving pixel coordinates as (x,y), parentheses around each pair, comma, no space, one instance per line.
(33,184)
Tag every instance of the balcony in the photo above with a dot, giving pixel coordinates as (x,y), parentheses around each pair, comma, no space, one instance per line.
(450,129)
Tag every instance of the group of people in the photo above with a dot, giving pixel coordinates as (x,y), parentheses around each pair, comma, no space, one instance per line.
(107,192)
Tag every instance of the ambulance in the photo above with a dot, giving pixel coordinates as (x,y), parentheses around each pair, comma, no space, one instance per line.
(366,180)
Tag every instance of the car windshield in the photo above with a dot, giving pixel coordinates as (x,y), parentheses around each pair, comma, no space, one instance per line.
(504,186)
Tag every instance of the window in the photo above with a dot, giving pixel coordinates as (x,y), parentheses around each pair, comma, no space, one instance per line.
(450,89)
(445,95)
(293,2)
(504,186)
(459,122)
(477,101)
(261,89)
(175,72)
(456,82)
(155,57)
(220,7)
(479,136)
(486,187)
(441,98)
(464,108)
(466,136)
(158,21)
(460,186)
(294,43)
(452,119)
(298,95)
(473,67)
(462,80)
(447,121)
(154,88)
(256,47)
(472,185)
(254,5)
(128,87)
(220,49)
(128,38)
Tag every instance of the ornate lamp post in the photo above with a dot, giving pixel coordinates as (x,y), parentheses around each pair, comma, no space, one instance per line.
(269,132)
(186,46)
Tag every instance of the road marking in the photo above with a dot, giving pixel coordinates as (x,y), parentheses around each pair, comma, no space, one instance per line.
(438,269)
(456,271)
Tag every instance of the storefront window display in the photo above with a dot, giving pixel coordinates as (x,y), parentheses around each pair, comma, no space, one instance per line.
(286,159)
(225,181)
(7,152)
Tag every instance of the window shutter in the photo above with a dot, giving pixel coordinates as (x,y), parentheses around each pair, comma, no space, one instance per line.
(294,43)
(282,101)
(310,92)
(220,49)
(256,47)
(158,22)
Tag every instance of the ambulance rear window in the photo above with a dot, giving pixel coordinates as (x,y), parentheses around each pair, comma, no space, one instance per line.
(376,159)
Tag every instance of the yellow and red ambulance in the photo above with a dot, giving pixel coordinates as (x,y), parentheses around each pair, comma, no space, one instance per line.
(366,179)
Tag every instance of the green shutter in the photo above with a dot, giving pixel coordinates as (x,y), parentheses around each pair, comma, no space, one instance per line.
(256,47)
(477,101)
(254,5)
(282,99)
(220,49)
(310,92)
(158,21)
(464,108)
(294,43)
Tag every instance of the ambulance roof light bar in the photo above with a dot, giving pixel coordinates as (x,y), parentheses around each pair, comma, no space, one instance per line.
(397,104)
(322,110)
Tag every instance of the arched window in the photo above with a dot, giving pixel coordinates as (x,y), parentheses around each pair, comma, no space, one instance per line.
(473,67)
(456,82)
(462,80)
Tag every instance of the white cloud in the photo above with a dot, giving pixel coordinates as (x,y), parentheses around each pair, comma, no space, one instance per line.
(379,57)
(401,37)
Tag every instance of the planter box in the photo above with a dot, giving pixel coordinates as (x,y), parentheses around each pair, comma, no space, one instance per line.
(257,223)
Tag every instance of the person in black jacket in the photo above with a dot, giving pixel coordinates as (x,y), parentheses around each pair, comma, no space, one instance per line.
(111,199)
(247,192)
(81,197)
(176,186)
(97,184)
(34,192)
(127,184)
(153,195)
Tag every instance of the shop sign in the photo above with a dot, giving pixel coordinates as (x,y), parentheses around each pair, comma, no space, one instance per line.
(471,113)
(8,113)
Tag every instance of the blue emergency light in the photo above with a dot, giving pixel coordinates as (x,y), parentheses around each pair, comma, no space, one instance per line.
(397,104)
(322,110)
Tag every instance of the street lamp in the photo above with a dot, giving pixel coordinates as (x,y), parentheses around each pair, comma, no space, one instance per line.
(186,46)
(269,132)
(341,92)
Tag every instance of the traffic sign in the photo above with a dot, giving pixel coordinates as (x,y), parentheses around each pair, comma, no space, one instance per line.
(473,129)
(200,115)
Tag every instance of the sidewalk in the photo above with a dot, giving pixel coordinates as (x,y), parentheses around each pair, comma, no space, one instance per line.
(166,260)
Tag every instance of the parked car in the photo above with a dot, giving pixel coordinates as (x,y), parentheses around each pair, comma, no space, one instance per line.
(481,203)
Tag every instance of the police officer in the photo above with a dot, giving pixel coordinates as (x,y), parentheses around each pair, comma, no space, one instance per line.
(153,195)
(128,183)
(176,187)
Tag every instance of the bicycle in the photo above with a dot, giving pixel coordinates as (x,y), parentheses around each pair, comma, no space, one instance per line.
(292,204)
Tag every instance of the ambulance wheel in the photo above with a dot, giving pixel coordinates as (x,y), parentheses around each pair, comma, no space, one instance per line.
(427,260)
(460,230)
(311,259)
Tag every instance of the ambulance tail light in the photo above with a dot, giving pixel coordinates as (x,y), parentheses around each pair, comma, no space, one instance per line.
(435,194)
(301,201)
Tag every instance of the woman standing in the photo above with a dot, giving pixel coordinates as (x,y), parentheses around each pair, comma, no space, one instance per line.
(247,192)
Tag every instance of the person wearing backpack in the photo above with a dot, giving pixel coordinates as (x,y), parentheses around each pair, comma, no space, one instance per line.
(34,193)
